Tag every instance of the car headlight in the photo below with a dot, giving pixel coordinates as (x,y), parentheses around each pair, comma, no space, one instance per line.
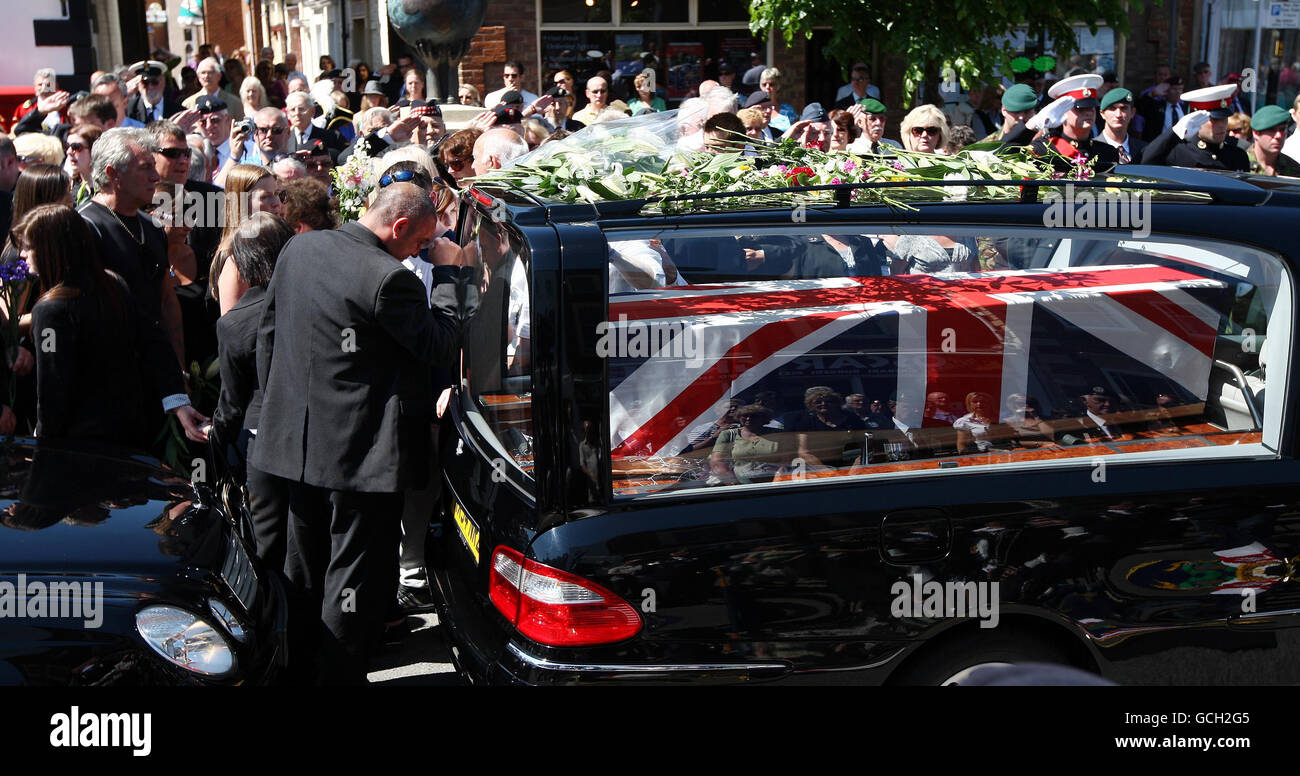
(185,639)
(228,619)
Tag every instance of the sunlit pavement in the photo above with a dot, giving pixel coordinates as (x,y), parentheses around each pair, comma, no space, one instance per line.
(418,658)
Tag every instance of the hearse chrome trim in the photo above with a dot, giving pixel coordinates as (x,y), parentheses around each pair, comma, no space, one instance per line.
(550,665)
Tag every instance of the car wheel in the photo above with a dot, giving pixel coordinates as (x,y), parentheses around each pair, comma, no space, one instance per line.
(951,663)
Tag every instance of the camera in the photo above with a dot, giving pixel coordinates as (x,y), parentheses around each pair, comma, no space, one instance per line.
(509,114)
(246,125)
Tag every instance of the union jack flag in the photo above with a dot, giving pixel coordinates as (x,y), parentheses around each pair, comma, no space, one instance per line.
(956,333)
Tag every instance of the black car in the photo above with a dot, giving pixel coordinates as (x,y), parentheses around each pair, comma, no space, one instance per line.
(874,445)
(115,571)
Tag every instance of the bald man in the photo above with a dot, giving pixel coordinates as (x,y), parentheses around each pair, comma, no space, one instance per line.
(209,71)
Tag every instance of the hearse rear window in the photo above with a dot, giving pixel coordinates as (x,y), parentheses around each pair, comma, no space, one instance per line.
(496,362)
(777,357)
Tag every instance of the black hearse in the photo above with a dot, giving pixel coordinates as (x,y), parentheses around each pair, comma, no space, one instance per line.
(694,448)
(115,571)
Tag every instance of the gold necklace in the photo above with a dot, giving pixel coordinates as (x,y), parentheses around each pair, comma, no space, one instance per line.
(138,240)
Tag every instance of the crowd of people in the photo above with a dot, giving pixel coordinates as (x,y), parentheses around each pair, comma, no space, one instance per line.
(172,224)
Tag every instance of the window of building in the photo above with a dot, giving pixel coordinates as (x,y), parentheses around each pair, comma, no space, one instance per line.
(576,11)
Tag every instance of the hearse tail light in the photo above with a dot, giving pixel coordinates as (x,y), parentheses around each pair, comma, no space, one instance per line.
(556,608)
(482,198)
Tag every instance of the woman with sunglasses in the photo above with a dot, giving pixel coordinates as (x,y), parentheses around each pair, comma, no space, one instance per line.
(925,130)
(457,153)
(81,140)
(249,189)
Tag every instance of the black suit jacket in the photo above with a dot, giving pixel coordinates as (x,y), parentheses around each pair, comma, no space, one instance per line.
(90,382)
(1152,112)
(32,123)
(135,108)
(330,137)
(344,351)
(241,397)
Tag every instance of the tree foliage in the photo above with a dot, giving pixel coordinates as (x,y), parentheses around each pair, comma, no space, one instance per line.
(934,35)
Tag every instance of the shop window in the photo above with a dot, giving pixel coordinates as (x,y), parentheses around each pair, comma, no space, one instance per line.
(656,11)
(576,11)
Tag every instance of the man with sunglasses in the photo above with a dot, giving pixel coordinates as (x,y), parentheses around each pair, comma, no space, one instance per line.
(171,153)
(512,73)
(270,137)
(151,101)
(597,99)
(857,89)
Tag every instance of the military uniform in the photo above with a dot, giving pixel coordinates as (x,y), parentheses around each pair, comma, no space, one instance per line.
(1284,165)
(1167,149)
(1265,125)
(1018,98)
(1079,92)
(1196,151)
(1063,150)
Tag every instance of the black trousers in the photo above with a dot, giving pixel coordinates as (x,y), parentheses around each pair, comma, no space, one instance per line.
(341,561)
(268,504)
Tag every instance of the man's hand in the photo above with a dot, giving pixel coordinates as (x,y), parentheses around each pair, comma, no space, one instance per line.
(22,363)
(483,121)
(8,421)
(133,85)
(186,119)
(400,131)
(797,129)
(238,137)
(1053,115)
(754,258)
(445,253)
(388,69)
(53,103)
(195,425)
(444,399)
(1190,124)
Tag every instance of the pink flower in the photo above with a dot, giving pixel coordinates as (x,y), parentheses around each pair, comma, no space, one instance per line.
(897,165)
(835,181)
(849,165)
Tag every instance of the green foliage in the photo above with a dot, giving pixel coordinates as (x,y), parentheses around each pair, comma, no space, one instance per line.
(172,447)
(932,34)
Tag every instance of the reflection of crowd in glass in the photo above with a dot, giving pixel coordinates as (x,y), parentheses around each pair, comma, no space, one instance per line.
(750,442)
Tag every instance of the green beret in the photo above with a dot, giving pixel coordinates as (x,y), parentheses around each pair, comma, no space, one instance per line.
(1118,94)
(1020,97)
(1268,117)
(872,105)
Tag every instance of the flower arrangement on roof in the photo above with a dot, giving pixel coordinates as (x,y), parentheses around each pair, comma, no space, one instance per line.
(637,161)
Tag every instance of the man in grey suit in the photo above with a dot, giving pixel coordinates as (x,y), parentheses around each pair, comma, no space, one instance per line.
(344,353)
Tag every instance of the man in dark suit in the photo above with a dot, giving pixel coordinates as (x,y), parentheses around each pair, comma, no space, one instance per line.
(303,135)
(1116,114)
(1162,108)
(343,356)
(150,102)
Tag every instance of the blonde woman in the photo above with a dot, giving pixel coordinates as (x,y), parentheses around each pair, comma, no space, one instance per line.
(925,130)
(249,189)
(645,94)
(253,95)
(770,82)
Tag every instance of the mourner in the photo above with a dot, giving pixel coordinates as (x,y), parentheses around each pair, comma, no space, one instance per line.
(1200,139)
(1019,104)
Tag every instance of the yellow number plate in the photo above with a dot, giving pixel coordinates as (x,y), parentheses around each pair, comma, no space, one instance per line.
(467,529)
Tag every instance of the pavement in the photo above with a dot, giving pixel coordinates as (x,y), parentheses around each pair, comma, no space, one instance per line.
(417,659)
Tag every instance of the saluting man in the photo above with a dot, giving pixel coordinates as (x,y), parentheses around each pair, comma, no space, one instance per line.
(1069,121)
(1200,139)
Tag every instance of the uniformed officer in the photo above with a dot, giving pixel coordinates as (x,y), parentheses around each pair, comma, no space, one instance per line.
(1269,128)
(1019,103)
(1117,110)
(1069,120)
(1200,139)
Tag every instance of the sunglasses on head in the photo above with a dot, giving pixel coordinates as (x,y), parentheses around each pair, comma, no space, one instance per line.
(918,131)
(401,176)
(174,153)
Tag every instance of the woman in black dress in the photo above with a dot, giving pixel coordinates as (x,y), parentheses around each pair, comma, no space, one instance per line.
(87,332)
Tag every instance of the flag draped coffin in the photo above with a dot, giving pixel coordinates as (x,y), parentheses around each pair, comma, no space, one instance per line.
(677,356)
